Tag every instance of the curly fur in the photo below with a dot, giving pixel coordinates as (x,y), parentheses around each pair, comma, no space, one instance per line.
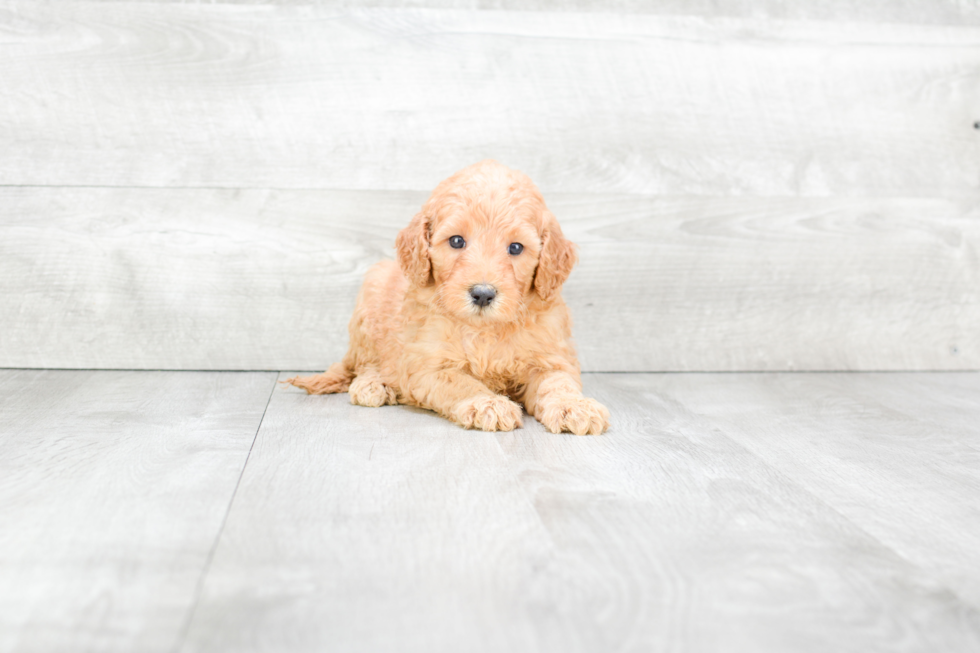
(417,338)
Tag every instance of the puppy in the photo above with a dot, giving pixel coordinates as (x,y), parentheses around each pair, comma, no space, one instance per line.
(470,321)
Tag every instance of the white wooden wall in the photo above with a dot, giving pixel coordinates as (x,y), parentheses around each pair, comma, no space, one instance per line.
(767,186)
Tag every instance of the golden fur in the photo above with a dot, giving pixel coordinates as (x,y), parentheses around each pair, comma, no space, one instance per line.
(417,337)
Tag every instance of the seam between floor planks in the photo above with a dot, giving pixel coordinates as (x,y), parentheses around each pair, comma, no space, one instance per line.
(528,458)
(701,421)
(523,466)
(179,643)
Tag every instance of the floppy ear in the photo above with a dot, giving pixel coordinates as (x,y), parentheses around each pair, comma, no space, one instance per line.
(556,261)
(412,249)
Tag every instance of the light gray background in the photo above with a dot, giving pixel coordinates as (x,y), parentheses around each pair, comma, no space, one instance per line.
(766,186)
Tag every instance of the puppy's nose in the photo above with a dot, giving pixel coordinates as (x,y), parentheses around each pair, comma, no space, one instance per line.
(483,294)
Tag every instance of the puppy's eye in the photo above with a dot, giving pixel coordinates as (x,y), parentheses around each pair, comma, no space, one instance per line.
(457,242)
(515,249)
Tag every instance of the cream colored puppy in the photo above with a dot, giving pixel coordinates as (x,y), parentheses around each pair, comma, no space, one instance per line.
(470,321)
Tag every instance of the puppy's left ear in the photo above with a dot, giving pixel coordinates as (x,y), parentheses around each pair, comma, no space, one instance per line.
(558,256)
(412,249)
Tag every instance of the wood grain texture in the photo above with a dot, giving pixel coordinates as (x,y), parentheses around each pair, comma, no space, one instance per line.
(391,529)
(898,454)
(258,279)
(928,12)
(152,94)
(113,487)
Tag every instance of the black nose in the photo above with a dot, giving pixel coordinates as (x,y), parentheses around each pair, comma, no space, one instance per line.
(482,294)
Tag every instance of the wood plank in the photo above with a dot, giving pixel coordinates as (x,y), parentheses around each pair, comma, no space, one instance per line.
(314,97)
(928,12)
(113,487)
(390,529)
(897,453)
(261,279)
(389,506)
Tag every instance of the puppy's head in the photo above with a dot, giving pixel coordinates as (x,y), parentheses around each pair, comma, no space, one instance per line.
(488,243)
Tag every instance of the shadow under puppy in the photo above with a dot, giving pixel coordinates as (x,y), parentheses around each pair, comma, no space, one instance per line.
(470,321)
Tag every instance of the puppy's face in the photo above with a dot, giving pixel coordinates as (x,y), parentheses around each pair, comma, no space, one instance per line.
(483,262)
(487,242)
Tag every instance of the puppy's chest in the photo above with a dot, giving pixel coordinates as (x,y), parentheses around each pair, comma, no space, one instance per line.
(498,361)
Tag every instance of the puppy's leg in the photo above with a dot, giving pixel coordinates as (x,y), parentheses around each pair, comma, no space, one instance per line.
(368,390)
(336,379)
(463,399)
(555,399)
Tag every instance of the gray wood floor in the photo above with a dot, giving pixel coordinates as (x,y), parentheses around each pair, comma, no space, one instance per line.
(208,511)
(756,186)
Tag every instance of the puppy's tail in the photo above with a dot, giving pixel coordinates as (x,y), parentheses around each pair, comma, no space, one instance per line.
(335,379)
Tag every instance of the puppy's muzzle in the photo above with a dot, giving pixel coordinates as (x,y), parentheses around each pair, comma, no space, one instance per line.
(482,294)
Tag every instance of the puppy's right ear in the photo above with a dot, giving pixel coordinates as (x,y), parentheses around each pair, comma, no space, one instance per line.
(412,249)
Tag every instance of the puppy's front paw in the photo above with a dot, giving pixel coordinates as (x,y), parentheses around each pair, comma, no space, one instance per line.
(488,412)
(578,415)
(370,391)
